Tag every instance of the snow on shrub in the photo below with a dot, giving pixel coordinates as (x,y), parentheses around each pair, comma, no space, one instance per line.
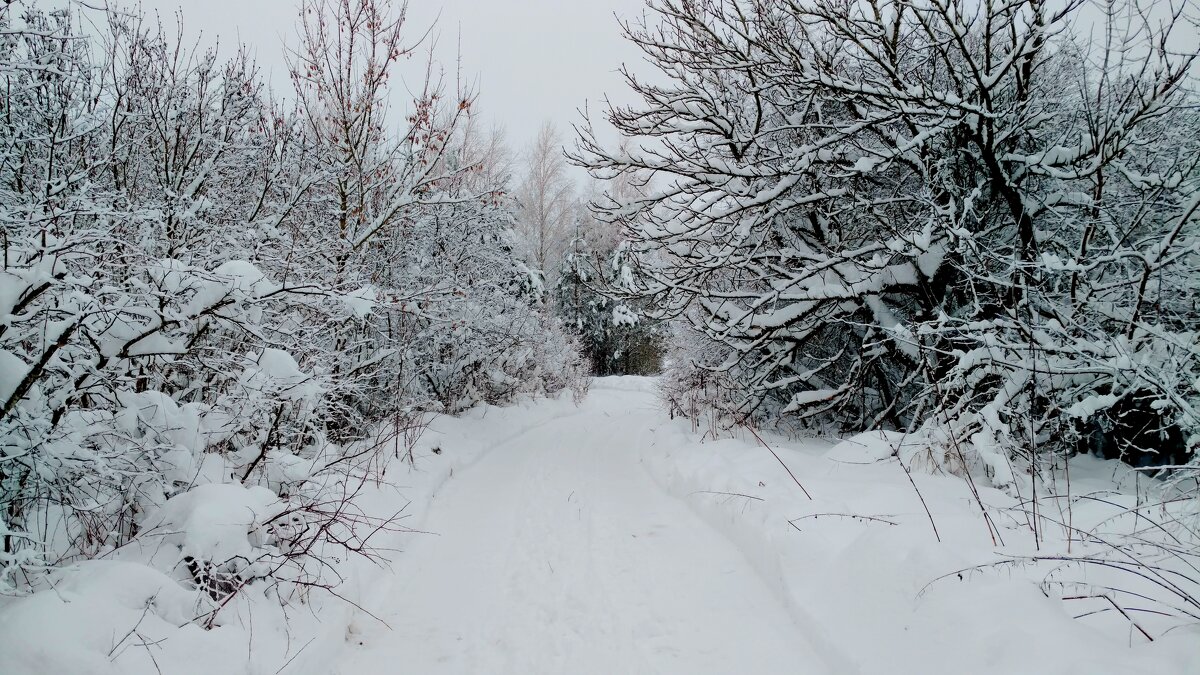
(218,533)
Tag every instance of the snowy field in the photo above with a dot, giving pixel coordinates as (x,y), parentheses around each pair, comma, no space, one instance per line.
(606,538)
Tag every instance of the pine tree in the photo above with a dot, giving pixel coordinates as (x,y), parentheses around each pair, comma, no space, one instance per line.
(614,338)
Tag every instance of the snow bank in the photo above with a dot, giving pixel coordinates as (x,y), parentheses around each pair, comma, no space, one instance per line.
(105,617)
(870,583)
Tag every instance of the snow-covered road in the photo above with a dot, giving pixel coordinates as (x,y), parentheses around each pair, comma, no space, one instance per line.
(558,553)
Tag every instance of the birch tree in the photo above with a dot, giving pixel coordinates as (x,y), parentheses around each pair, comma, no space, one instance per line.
(545,197)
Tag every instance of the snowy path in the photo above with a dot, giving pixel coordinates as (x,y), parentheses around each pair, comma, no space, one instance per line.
(557,553)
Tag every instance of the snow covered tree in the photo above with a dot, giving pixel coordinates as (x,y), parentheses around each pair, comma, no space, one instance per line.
(957,217)
(423,225)
(341,72)
(488,337)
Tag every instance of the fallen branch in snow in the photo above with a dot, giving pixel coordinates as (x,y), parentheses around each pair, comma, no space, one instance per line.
(1102,596)
(728,494)
(1172,582)
(293,657)
(869,519)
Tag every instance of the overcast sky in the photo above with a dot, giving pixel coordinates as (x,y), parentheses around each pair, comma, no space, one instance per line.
(533,60)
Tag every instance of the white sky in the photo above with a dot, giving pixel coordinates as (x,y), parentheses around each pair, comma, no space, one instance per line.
(532,60)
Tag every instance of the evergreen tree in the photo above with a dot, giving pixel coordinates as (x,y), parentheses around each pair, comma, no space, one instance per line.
(614,337)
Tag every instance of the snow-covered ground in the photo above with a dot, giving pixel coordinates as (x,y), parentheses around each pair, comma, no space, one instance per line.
(558,553)
(608,538)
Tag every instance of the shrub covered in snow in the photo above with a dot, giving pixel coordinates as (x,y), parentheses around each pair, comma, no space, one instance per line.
(209,301)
